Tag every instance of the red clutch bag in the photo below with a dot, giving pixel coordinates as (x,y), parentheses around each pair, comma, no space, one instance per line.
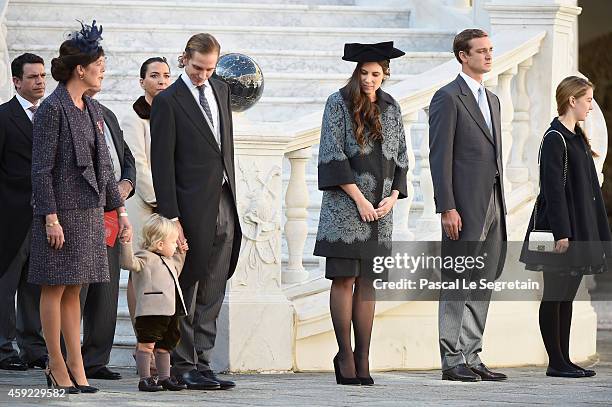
(111,226)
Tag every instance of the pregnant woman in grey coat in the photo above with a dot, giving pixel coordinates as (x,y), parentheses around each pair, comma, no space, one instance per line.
(362,172)
(72,183)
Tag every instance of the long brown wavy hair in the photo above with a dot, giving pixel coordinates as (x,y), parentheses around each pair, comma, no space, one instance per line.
(576,87)
(366,114)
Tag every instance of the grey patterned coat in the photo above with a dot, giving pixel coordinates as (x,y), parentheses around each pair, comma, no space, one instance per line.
(377,170)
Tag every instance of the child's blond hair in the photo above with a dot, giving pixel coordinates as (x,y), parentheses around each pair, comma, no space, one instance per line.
(156,229)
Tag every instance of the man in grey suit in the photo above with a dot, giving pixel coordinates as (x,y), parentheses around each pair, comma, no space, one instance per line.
(466,168)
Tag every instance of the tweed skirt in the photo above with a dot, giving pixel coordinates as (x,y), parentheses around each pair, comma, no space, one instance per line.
(83,257)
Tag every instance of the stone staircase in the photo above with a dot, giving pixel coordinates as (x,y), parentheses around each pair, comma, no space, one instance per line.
(298,47)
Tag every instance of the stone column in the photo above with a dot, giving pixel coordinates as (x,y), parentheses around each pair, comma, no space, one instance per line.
(507,115)
(401,213)
(429,222)
(296,211)
(556,60)
(517,168)
(255,326)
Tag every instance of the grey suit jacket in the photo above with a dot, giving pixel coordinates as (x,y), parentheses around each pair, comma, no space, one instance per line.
(464,156)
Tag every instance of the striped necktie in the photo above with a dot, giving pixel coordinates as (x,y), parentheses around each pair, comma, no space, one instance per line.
(204,104)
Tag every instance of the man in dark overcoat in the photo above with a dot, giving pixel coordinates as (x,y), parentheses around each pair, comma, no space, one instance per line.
(16,116)
(192,161)
(99,300)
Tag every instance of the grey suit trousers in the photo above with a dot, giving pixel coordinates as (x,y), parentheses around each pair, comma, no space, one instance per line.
(26,327)
(462,313)
(99,311)
(204,299)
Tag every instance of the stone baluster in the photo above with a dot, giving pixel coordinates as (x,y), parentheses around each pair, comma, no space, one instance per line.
(517,170)
(507,115)
(429,221)
(401,213)
(296,212)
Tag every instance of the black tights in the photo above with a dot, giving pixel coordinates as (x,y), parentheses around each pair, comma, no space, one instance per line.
(556,318)
(356,305)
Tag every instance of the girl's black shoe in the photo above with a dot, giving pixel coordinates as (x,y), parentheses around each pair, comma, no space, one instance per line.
(564,373)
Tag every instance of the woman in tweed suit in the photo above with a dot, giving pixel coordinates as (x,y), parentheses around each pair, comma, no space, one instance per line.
(72,183)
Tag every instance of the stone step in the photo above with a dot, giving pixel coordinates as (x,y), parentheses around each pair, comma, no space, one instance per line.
(130,11)
(275,84)
(233,36)
(270,60)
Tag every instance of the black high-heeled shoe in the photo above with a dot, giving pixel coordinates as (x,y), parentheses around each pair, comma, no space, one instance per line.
(365,381)
(351,381)
(82,387)
(52,383)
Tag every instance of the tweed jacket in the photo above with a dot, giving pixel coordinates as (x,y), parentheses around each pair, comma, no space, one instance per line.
(377,169)
(64,173)
(155,279)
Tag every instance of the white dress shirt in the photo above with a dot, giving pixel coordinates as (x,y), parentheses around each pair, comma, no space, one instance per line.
(212,102)
(26,104)
(474,85)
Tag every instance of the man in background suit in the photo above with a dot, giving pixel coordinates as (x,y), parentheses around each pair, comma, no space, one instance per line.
(16,117)
(99,300)
(192,161)
(466,169)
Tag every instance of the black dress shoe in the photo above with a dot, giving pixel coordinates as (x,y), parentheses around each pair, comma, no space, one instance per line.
(13,363)
(149,384)
(460,373)
(486,374)
(223,384)
(195,381)
(552,372)
(172,384)
(104,373)
(40,363)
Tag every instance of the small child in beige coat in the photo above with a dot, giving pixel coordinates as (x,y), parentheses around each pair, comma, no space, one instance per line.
(159,301)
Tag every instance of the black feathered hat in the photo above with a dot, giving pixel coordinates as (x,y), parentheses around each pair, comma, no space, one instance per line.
(357,52)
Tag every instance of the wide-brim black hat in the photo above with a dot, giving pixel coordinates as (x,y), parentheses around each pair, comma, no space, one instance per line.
(357,52)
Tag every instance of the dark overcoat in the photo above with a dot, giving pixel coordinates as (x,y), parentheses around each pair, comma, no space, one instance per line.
(377,169)
(15,179)
(128,164)
(187,167)
(575,211)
